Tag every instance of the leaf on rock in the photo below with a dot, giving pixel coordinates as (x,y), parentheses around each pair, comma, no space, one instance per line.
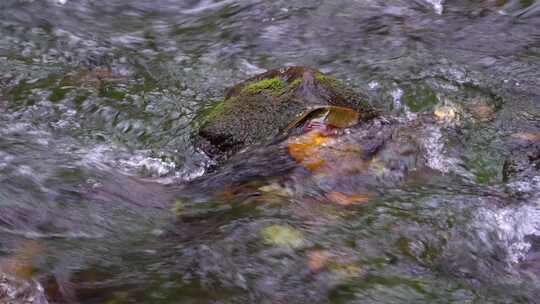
(332,116)
(341,117)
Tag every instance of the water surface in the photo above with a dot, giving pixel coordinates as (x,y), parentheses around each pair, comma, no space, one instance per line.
(101,96)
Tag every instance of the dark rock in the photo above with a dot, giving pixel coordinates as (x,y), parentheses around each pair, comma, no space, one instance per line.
(262,107)
(523,163)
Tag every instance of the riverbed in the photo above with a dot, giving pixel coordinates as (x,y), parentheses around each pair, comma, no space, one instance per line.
(102,95)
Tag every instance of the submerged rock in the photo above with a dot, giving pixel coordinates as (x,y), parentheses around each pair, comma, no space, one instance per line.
(264,106)
(523,163)
(18,291)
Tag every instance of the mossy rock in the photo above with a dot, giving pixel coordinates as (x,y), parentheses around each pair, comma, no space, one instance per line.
(262,107)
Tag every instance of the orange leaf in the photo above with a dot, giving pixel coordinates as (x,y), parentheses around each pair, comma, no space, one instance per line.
(21,263)
(306,150)
(527,136)
(346,199)
(317,259)
(482,112)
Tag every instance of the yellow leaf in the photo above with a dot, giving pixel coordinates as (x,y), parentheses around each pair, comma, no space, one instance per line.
(445,113)
(333,116)
(346,270)
(341,117)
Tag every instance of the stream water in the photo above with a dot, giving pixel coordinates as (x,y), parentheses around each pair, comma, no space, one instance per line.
(100,95)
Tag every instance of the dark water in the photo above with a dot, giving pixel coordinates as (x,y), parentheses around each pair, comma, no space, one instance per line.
(100,95)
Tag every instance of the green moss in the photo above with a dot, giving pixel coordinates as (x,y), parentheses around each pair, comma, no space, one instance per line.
(296,83)
(79,99)
(486,168)
(58,94)
(526,3)
(348,97)
(20,91)
(23,90)
(46,83)
(179,206)
(420,98)
(216,109)
(212,112)
(111,92)
(404,245)
(329,81)
(275,85)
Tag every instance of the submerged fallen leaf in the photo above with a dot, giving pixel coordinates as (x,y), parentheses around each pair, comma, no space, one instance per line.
(282,236)
(378,166)
(91,78)
(179,206)
(528,136)
(347,199)
(318,259)
(345,270)
(482,112)
(445,113)
(276,189)
(340,263)
(307,150)
(21,264)
(324,154)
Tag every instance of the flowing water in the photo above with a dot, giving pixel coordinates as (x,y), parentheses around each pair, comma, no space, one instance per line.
(100,95)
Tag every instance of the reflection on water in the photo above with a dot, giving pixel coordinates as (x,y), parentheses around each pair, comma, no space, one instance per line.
(101,194)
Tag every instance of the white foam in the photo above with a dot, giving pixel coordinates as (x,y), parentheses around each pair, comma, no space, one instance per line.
(97,157)
(207,5)
(510,226)
(250,68)
(526,186)
(154,167)
(435,153)
(437,5)
(5,159)
(397,94)
(396,97)
(373,85)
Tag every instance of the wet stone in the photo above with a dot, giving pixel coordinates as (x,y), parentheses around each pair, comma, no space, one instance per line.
(263,107)
(523,162)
